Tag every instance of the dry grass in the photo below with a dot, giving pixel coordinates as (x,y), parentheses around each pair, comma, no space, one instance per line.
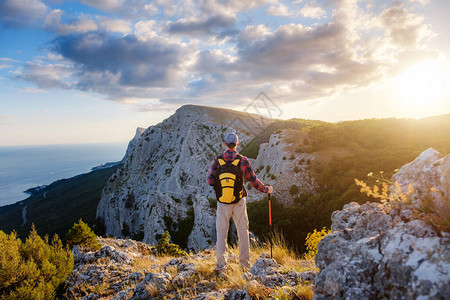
(303,292)
(142,263)
(205,269)
(152,290)
(232,277)
(146,262)
(257,290)
(283,254)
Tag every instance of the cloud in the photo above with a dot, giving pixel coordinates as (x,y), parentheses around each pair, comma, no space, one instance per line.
(116,25)
(404,28)
(47,76)
(295,62)
(204,52)
(21,13)
(105,5)
(312,11)
(199,27)
(117,67)
(279,10)
(6,63)
(80,24)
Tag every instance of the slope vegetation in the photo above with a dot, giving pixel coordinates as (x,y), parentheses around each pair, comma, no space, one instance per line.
(57,207)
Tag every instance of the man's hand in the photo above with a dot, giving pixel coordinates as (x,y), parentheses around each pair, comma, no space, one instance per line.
(270,189)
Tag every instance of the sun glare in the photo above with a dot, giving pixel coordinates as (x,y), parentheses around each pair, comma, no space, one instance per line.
(423,84)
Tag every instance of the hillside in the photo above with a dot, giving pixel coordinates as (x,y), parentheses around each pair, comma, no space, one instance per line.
(161,185)
(319,164)
(55,208)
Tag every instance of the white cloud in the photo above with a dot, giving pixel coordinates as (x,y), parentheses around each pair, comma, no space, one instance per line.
(422,2)
(7,63)
(312,11)
(279,10)
(116,25)
(48,76)
(204,51)
(105,5)
(81,24)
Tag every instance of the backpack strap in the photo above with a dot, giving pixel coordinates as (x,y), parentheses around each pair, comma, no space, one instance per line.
(237,160)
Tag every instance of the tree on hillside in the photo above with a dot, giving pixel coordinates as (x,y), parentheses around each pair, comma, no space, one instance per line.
(33,269)
(81,234)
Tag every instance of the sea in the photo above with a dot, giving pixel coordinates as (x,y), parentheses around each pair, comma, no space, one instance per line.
(24,167)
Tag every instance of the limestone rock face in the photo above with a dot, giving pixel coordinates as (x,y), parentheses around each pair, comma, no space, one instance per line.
(388,250)
(281,168)
(162,183)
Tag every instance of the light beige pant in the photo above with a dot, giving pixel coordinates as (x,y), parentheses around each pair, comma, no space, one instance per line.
(239,213)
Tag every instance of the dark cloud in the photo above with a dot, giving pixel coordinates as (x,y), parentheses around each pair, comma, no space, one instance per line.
(21,13)
(210,25)
(126,60)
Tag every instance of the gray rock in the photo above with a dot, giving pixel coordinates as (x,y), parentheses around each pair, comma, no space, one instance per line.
(237,295)
(384,250)
(264,265)
(157,280)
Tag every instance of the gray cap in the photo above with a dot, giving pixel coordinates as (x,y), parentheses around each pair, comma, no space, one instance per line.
(231,138)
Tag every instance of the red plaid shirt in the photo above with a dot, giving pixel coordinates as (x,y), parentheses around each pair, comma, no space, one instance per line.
(246,169)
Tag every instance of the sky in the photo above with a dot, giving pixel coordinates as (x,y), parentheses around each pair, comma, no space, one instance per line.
(91,71)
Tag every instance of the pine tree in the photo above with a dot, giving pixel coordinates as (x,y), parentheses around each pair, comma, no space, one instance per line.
(81,234)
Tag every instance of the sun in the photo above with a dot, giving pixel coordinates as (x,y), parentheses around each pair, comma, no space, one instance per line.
(423,84)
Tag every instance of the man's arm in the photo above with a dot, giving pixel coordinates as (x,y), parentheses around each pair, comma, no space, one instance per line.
(213,173)
(251,176)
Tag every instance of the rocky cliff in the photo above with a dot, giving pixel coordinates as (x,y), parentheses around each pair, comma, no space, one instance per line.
(280,166)
(162,184)
(395,250)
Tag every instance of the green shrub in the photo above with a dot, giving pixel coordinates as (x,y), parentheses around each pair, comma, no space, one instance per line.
(296,169)
(33,269)
(293,190)
(267,169)
(212,203)
(163,247)
(81,234)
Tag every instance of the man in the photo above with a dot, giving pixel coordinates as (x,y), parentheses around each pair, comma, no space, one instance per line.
(237,207)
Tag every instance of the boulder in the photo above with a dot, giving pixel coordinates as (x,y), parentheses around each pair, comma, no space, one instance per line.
(389,250)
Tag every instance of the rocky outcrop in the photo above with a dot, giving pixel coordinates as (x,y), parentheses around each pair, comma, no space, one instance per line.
(126,269)
(133,142)
(390,250)
(162,183)
(281,167)
(427,176)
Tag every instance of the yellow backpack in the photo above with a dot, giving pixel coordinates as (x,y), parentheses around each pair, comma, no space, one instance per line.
(229,186)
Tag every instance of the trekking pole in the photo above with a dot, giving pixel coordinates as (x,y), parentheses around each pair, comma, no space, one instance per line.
(270,227)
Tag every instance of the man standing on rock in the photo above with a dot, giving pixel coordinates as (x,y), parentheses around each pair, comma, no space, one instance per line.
(227,177)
